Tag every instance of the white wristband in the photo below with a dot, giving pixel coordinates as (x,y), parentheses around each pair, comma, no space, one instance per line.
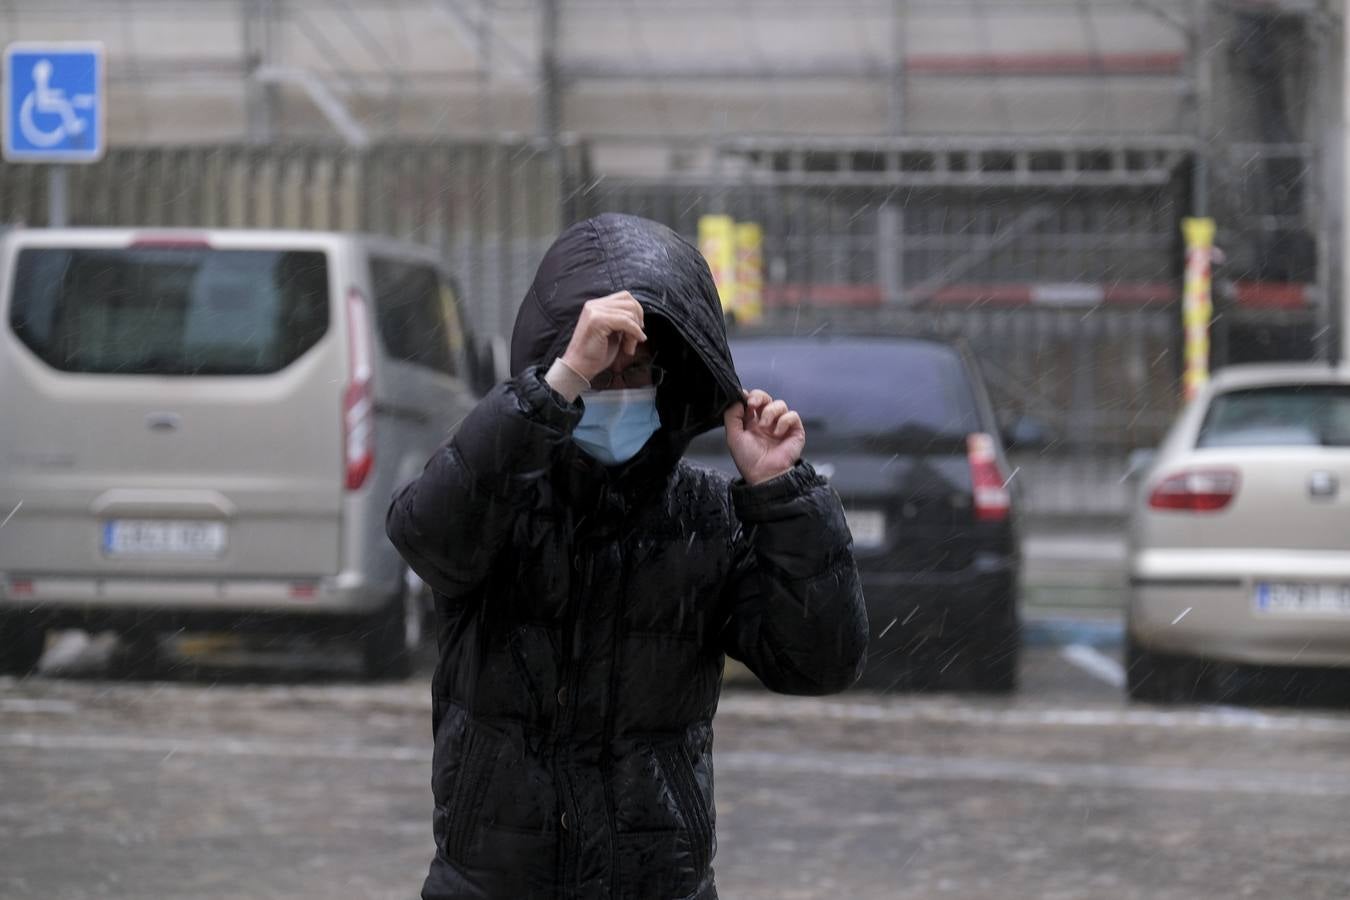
(566,380)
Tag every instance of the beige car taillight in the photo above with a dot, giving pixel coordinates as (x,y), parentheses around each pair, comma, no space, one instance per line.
(1195,490)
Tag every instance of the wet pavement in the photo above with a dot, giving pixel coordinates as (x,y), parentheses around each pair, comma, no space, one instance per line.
(259,777)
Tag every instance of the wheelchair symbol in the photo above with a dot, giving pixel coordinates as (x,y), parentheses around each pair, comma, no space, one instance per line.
(51,102)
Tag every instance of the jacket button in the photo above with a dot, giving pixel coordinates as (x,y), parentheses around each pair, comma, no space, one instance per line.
(564,821)
(562,696)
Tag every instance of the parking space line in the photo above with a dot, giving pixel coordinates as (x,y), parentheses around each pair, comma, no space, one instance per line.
(1095,663)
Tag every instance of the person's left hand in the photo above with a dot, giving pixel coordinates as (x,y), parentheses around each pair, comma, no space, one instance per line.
(765,437)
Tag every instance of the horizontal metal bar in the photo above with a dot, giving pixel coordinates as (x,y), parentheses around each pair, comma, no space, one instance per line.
(883,143)
(844,71)
(1049,180)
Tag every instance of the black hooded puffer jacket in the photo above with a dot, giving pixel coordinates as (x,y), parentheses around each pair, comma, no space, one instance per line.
(583,612)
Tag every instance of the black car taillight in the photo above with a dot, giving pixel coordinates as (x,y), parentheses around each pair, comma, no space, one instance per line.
(989,486)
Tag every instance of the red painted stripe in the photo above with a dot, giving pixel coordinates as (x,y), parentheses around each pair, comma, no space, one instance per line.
(983,294)
(1251,294)
(1142,293)
(822,295)
(1047,64)
(1271,294)
(1126,294)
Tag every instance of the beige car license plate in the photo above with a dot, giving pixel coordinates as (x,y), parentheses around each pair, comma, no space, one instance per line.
(1294,598)
(868,527)
(155,537)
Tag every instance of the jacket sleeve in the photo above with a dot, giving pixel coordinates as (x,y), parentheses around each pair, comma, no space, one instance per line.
(451,522)
(796,614)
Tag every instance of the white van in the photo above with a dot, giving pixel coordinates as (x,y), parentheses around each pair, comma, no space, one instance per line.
(202,429)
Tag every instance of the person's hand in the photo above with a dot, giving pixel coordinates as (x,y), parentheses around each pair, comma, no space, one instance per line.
(765,437)
(607,326)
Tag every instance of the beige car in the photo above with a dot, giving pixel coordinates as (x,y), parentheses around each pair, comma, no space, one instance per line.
(202,430)
(1240,535)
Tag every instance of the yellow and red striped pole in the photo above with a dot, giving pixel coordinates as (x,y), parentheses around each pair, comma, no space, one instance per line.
(717,240)
(749,272)
(1197,307)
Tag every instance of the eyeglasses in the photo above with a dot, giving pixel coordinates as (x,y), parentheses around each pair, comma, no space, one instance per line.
(639,376)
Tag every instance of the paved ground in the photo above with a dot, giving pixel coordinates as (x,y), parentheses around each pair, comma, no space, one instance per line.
(264,780)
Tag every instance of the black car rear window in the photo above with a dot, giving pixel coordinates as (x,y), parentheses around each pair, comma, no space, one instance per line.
(1314,415)
(169,311)
(902,390)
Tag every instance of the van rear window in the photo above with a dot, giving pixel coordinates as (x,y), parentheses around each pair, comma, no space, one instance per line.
(169,311)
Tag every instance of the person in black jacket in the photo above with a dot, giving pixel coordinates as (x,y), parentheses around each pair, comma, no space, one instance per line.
(589,582)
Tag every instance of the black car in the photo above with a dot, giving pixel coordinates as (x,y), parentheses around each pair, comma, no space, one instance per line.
(904,430)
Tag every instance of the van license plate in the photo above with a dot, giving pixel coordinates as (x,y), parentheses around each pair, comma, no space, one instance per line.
(1294,598)
(868,527)
(177,538)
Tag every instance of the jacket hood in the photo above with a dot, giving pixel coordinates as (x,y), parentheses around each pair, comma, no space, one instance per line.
(669,277)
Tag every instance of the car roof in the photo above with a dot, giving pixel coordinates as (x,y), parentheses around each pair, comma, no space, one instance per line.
(1276,374)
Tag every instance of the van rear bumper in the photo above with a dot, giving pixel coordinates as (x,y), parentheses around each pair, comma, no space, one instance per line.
(191,602)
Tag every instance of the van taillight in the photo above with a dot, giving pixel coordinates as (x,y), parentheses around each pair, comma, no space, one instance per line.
(358,403)
(1195,490)
(989,487)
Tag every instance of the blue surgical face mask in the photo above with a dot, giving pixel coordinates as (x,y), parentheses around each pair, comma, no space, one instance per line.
(616,424)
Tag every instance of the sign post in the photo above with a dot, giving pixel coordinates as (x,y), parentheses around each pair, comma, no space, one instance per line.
(54,112)
(1197,306)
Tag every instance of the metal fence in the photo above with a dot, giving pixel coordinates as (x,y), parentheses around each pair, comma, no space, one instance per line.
(917,246)
(1092,352)
(491,208)
(907,237)
(1102,377)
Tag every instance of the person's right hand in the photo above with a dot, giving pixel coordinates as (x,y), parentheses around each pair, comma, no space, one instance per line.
(607,327)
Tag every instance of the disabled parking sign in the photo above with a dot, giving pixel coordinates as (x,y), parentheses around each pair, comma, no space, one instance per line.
(54,102)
